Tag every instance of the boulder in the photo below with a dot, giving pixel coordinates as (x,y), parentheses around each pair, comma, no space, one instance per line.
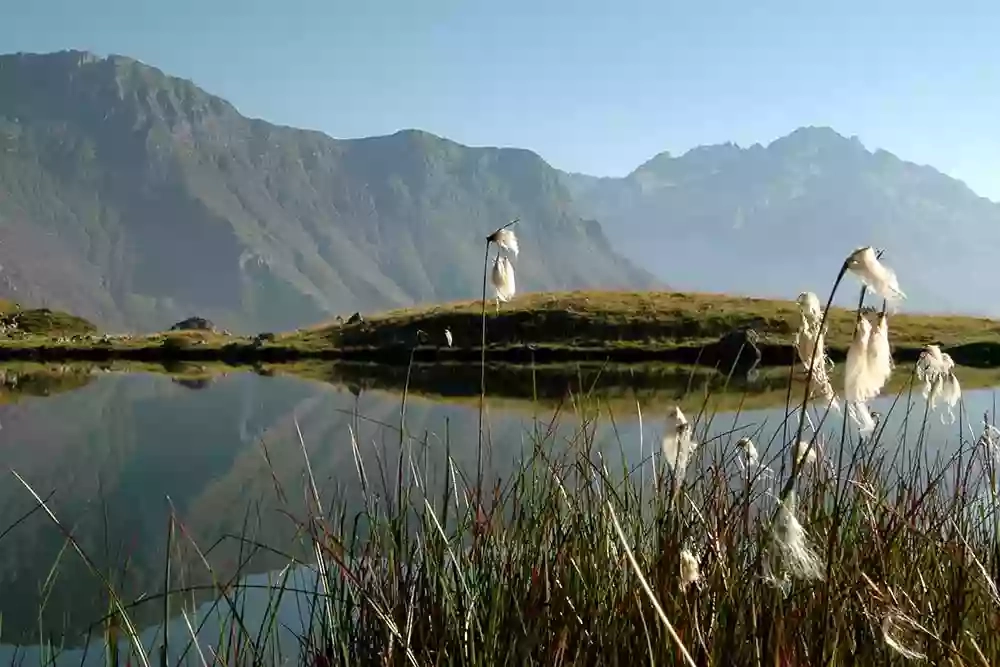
(193,324)
(737,351)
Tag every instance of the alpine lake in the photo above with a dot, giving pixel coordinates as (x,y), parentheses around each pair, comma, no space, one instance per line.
(213,465)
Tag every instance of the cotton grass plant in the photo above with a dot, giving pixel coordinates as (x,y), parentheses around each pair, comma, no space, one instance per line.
(859,551)
(502,277)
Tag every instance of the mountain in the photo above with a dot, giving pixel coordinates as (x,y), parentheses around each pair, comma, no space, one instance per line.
(780,219)
(136,199)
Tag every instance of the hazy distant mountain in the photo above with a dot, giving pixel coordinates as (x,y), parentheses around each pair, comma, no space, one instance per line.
(136,199)
(775,220)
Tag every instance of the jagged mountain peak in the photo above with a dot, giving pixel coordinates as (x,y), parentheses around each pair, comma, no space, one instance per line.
(763,220)
(161,201)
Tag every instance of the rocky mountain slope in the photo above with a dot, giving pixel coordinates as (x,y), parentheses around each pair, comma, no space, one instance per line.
(776,220)
(136,199)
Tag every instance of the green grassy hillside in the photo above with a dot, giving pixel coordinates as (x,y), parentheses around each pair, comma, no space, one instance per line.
(611,320)
(551,327)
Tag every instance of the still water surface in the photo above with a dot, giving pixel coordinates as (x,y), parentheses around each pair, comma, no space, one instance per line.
(116,453)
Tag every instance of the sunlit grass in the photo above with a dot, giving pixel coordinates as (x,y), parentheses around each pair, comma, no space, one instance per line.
(621,326)
(630,319)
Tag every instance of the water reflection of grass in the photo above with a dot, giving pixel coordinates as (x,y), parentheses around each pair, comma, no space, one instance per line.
(18,381)
(42,379)
(574,560)
(618,386)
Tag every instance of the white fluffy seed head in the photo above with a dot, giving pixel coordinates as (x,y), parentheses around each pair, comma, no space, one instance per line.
(882,280)
(929,362)
(861,415)
(506,240)
(676,420)
(677,447)
(951,391)
(879,355)
(937,370)
(810,308)
(868,359)
(805,453)
(810,346)
(857,382)
(690,573)
(809,342)
(746,446)
(946,388)
(947,363)
(502,278)
(790,545)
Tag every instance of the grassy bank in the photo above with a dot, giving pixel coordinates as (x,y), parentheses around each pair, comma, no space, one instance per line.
(574,558)
(585,320)
(625,327)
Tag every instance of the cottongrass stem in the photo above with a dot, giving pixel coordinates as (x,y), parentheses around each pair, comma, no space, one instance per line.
(646,587)
(677,446)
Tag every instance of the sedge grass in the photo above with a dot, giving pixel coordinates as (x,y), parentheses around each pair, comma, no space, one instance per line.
(572,559)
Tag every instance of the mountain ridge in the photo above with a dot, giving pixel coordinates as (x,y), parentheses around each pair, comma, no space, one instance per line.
(156,200)
(280,227)
(791,211)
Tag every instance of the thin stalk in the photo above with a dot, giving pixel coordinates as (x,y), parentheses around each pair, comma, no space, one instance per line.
(838,493)
(115,601)
(492,238)
(646,587)
(166,591)
(482,372)
(809,376)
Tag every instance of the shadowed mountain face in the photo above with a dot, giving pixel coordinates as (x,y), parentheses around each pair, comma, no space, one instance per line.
(136,199)
(780,219)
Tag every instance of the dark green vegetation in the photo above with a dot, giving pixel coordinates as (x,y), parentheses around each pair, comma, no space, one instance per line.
(136,199)
(765,220)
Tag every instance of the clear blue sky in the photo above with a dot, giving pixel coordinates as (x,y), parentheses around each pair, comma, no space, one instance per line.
(597,87)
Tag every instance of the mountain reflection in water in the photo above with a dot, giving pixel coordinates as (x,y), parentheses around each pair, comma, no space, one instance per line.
(115,453)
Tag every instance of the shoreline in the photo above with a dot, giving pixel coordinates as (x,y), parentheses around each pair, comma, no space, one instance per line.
(711,330)
(712,355)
